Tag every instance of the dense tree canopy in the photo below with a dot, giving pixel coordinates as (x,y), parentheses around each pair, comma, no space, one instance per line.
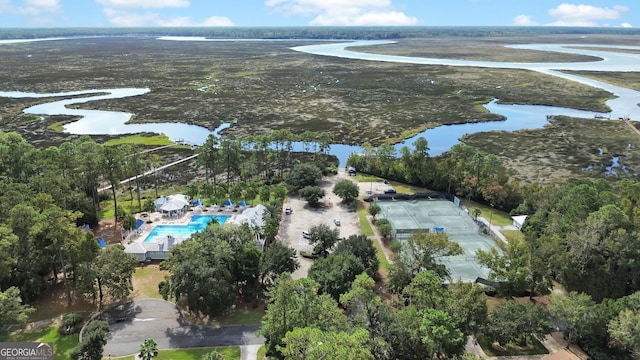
(211,268)
(93,341)
(304,175)
(421,252)
(12,310)
(111,273)
(323,239)
(362,247)
(296,304)
(335,273)
(312,194)
(315,344)
(516,322)
(277,259)
(346,189)
(595,223)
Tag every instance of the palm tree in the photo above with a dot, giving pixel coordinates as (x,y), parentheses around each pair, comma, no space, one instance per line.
(476,213)
(148,350)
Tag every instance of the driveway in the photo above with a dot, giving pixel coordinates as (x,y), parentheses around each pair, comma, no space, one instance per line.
(133,322)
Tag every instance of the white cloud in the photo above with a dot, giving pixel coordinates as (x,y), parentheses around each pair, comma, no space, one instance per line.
(125,18)
(217,21)
(371,19)
(136,19)
(344,12)
(30,7)
(524,20)
(626,25)
(123,13)
(584,15)
(187,21)
(143,4)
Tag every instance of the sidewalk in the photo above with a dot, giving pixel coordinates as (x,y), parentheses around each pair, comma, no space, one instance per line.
(495,229)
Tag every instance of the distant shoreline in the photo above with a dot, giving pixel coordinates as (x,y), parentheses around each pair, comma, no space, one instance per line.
(313,32)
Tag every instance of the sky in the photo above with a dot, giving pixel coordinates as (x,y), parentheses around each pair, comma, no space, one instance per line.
(247,13)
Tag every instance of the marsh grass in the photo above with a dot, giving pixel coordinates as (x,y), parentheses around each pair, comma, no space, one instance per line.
(567,147)
(629,80)
(267,86)
(141,139)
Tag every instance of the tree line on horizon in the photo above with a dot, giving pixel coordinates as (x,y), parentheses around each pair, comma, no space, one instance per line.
(316,32)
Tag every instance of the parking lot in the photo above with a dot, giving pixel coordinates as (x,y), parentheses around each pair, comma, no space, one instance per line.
(304,217)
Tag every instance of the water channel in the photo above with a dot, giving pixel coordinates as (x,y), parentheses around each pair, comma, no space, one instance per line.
(440,139)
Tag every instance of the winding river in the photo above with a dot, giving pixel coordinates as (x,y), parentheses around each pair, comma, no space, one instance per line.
(440,139)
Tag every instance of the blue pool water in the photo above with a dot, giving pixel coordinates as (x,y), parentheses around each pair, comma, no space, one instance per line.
(197,223)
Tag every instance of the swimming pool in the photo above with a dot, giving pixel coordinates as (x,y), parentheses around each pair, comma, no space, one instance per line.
(197,223)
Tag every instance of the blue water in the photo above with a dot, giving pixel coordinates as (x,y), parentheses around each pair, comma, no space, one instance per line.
(197,223)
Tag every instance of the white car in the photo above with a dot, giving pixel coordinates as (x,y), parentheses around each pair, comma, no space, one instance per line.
(305,234)
(337,222)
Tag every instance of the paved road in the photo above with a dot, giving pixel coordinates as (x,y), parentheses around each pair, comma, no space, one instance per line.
(135,321)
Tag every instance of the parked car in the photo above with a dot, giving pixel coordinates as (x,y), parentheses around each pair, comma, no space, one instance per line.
(337,222)
(288,210)
(390,191)
(305,234)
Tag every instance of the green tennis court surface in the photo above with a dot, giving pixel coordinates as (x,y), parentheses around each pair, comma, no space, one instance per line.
(407,216)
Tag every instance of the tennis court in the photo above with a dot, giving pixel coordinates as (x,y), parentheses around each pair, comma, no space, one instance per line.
(438,215)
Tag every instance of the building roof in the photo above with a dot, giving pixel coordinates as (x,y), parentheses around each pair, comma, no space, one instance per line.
(520,219)
(252,216)
(135,248)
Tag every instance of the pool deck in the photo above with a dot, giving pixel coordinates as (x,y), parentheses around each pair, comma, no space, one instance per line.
(138,236)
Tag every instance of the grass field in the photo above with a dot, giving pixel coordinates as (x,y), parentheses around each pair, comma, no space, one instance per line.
(368,231)
(63,344)
(497,217)
(535,348)
(145,282)
(229,353)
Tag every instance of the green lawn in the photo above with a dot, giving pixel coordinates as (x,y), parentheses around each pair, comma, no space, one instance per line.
(62,344)
(229,353)
(497,217)
(243,316)
(360,177)
(368,231)
(141,139)
(146,280)
(535,348)
(512,234)
(364,222)
(262,352)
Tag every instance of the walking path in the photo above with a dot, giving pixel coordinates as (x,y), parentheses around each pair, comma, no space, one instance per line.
(151,171)
(495,229)
(635,129)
